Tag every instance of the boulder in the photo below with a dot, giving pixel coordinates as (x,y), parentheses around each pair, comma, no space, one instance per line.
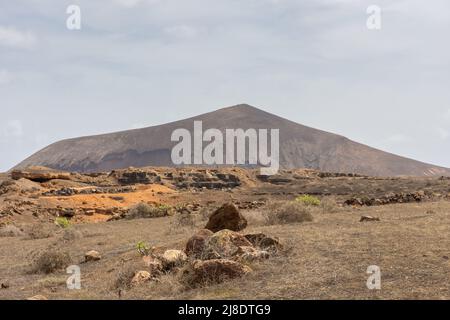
(173,258)
(225,242)
(212,271)
(92,256)
(226,217)
(196,245)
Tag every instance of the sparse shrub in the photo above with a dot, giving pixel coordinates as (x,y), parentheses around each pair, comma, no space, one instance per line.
(51,261)
(72,234)
(182,223)
(124,277)
(63,222)
(41,231)
(184,220)
(142,248)
(10,231)
(308,200)
(329,205)
(144,210)
(254,217)
(287,212)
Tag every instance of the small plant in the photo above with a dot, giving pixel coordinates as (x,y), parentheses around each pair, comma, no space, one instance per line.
(308,200)
(63,222)
(142,248)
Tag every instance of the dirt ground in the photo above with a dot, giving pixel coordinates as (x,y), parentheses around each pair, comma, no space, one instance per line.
(326,258)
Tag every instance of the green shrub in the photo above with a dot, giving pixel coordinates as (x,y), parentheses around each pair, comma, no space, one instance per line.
(308,200)
(142,248)
(63,222)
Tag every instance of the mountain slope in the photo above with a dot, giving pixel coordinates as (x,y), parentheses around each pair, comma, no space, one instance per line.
(300,147)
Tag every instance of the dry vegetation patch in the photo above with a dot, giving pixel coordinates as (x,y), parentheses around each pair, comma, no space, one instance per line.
(284,212)
(50,261)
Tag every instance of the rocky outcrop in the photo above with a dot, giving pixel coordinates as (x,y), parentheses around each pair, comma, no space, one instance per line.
(225,243)
(132,176)
(418,196)
(226,217)
(39,175)
(196,245)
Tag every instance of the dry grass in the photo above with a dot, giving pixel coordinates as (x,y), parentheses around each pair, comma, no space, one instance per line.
(11,231)
(41,231)
(144,210)
(328,259)
(71,234)
(329,205)
(284,212)
(50,261)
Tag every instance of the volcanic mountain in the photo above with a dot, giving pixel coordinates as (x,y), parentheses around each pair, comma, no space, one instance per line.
(300,147)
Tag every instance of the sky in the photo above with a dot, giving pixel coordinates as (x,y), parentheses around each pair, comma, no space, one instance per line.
(137,63)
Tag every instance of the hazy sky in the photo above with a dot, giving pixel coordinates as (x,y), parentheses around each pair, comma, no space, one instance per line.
(138,63)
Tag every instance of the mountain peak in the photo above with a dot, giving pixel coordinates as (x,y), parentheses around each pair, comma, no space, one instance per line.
(300,147)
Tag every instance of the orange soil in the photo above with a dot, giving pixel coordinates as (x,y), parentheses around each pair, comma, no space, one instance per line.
(147,193)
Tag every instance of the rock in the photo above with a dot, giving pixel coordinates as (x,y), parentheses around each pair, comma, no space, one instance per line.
(225,242)
(92,256)
(262,241)
(141,277)
(226,217)
(154,265)
(38,297)
(249,254)
(173,258)
(213,271)
(4,285)
(195,247)
(369,218)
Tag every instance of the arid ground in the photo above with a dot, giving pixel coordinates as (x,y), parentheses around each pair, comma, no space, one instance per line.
(407,234)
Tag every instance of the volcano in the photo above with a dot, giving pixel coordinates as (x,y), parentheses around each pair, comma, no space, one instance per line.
(300,147)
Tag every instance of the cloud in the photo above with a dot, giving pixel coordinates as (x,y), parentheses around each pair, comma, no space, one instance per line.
(128,3)
(447,115)
(137,126)
(398,138)
(13,129)
(181,31)
(11,37)
(5,77)
(443,133)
